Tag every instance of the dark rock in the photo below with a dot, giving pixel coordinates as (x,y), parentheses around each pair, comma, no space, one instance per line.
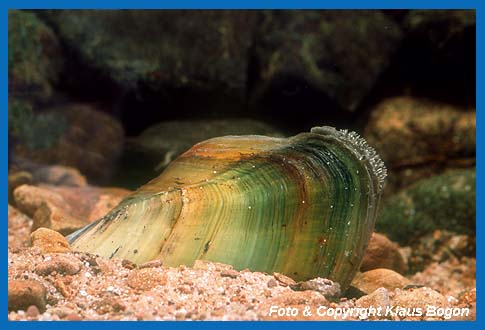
(337,53)
(455,20)
(204,48)
(34,58)
(446,202)
(353,292)
(31,129)
(24,293)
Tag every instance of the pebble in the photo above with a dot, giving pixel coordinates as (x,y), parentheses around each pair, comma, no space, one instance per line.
(378,298)
(230,273)
(383,253)
(284,280)
(146,279)
(73,317)
(24,293)
(62,312)
(330,289)
(32,311)
(49,241)
(109,305)
(468,297)
(62,288)
(419,298)
(162,293)
(209,265)
(151,264)
(128,264)
(59,263)
(373,279)
(272,283)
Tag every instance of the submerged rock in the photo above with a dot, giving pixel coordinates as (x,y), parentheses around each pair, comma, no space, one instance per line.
(371,280)
(59,175)
(34,57)
(382,253)
(75,135)
(377,298)
(445,201)
(167,140)
(60,263)
(419,138)
(66,209)
(330,289)
(338,53)
(203,48)
(24,293)
(16,179)
(49,241)
(419,298)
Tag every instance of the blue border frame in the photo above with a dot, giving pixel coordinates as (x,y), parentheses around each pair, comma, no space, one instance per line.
(239,4)
(5,5)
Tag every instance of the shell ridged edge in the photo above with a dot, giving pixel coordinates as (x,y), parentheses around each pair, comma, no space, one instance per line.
(365,151)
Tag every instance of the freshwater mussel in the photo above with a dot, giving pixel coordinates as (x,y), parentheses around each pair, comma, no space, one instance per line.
(304,206)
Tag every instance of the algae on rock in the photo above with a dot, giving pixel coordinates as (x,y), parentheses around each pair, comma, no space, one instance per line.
(34,57)
(446,202)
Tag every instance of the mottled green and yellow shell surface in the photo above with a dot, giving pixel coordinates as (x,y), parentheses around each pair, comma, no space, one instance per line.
(304,206)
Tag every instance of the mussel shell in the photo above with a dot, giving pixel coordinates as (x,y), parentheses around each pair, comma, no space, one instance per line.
(304,206)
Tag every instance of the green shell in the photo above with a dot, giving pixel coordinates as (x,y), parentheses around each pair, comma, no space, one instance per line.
(304,206)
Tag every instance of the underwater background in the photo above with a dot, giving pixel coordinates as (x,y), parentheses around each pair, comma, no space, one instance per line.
(102,101)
